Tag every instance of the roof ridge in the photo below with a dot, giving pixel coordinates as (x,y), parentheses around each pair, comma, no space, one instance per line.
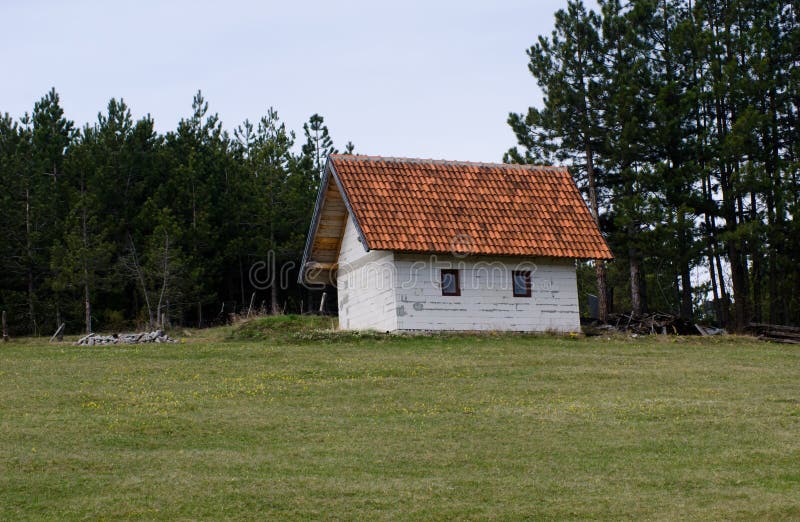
(366,157)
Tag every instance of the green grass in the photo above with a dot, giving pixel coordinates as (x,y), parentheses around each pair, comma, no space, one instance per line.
(437,427)
(281,327)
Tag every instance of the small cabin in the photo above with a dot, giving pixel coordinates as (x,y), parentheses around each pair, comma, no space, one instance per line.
(422,245)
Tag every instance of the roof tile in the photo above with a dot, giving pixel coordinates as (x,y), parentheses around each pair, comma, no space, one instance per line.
(433,206)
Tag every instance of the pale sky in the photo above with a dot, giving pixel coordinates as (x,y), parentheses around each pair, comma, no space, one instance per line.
(412,78)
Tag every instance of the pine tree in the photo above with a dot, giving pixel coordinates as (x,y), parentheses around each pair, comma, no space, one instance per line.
(269,158)
(627,120)
(200,159)
(46,137)
(696,105)
(319,144)
(569,127)
(14,176)
(166,275)
(81,258)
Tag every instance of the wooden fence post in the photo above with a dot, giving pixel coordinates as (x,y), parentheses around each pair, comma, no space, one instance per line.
(252,299)
(59,335)
(5,328)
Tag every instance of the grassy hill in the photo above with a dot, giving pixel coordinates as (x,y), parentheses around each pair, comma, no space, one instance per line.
(283,418)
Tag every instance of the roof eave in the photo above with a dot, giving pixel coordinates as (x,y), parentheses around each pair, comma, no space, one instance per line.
(361,237)
(320,201)
(313,226)
(608,257)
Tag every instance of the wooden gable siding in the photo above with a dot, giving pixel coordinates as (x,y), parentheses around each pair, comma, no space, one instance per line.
(333,215)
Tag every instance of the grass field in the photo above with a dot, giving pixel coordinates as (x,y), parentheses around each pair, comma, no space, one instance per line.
(296,425)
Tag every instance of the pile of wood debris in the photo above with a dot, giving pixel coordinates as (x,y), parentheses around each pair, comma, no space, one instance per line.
(775,333)
(661,323)
(156,336)
(647,324)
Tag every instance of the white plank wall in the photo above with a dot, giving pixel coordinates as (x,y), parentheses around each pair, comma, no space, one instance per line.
(365,285)
(387,291)
(486,301)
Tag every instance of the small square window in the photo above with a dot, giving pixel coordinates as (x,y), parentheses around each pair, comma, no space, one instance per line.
(522,283)
(450,283)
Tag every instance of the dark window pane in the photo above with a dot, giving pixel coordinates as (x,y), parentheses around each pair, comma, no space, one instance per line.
(522,284)
(450,282)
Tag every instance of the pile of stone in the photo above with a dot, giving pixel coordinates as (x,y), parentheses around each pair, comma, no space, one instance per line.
(156,336)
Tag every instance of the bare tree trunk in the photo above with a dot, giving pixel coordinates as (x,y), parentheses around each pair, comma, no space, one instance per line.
(723,292)
(686,277)
(194,209)
(273,294)
(140,278)
(735,256)
(86,291)
(636,291)
(599,264)
(715,260)
(774,219)
(739,290)
(250,308)
(241,280)
(726,113)
(755,252)
(637,305)
(714,264)
(714,290)
(165,277)
(31,306)
(87,308)
(744,271)
(273,290)
(687,311)
(29,252)
(772,269)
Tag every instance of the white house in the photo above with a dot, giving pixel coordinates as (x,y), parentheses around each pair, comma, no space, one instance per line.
(416,244)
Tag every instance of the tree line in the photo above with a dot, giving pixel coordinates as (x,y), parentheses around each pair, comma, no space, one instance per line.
(679,119)
(114,225)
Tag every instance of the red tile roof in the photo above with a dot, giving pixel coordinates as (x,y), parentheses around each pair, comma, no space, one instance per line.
(415,205)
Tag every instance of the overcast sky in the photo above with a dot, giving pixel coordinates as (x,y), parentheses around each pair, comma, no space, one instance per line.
(412,78)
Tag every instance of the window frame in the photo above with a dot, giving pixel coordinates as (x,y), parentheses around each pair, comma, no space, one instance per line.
(527,275)
(455,273)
